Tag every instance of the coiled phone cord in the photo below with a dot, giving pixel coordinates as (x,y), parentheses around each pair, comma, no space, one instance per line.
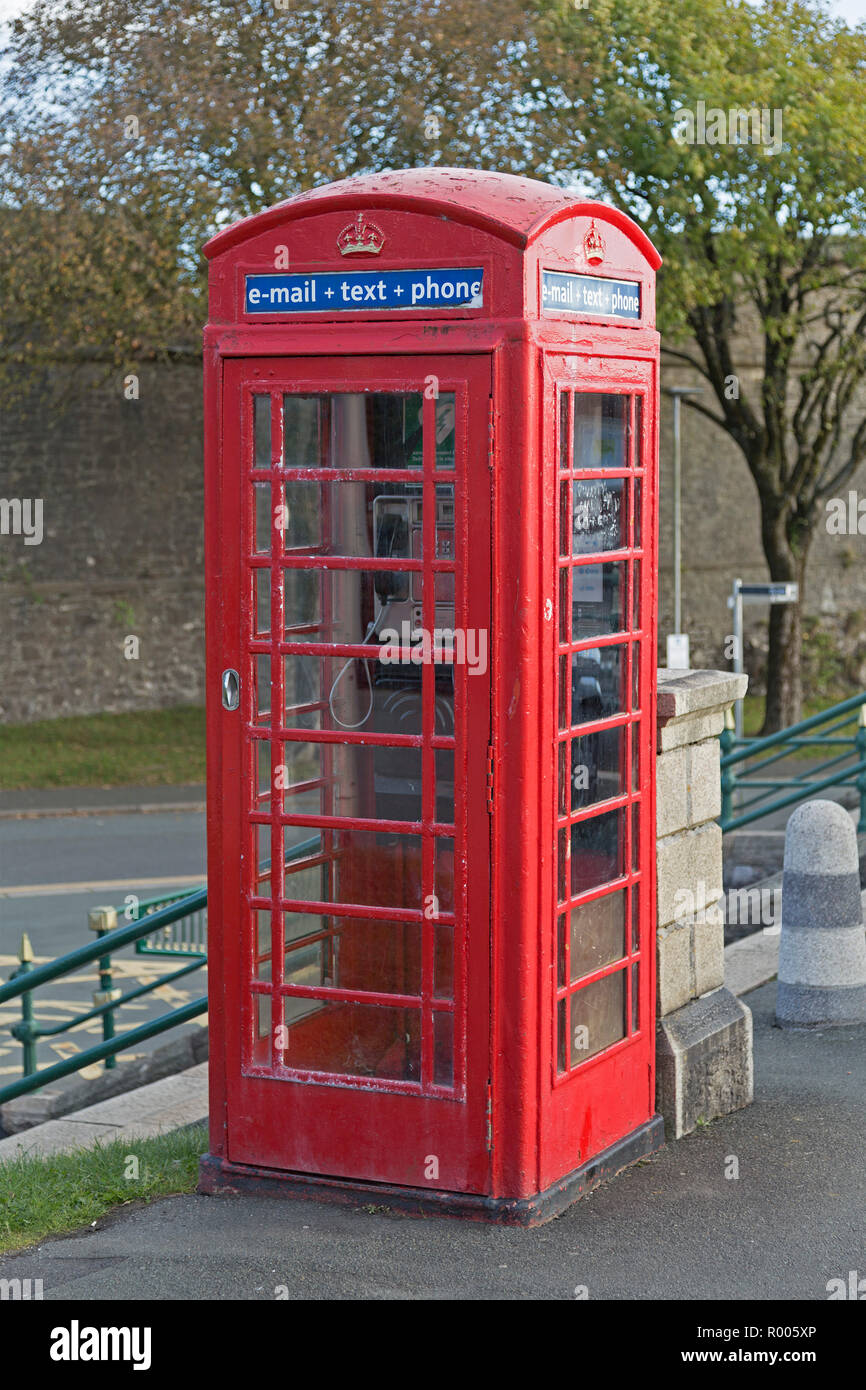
(372,629)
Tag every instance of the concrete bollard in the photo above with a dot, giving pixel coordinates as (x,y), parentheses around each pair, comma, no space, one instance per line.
(822,951)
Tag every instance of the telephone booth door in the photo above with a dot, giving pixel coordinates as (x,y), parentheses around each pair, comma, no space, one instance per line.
(356,615)
(603,776)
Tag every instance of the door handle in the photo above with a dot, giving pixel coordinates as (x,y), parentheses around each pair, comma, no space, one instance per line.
(231,685)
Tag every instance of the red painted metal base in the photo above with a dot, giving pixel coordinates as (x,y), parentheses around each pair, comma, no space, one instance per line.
(218,1176)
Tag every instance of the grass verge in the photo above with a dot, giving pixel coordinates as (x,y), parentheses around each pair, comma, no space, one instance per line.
(146,748)
(52,1196)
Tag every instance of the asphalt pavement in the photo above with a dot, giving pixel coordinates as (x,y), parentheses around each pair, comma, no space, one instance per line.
(677,1226)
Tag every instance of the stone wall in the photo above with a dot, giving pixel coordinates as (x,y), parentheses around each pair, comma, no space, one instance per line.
(121,483)
(122,551)
(704,1035)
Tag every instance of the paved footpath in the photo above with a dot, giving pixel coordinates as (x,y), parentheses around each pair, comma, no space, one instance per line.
(673,1227)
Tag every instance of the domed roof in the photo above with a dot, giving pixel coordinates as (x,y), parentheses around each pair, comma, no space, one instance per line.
(509,206)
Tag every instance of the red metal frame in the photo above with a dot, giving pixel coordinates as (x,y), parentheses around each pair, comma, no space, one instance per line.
(514,1124)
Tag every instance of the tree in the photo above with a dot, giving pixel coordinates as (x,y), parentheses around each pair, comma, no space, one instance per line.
(131,132)
(759,226)
(136,130)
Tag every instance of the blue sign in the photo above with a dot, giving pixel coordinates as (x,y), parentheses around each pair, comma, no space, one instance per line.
(361,290)
(589,294)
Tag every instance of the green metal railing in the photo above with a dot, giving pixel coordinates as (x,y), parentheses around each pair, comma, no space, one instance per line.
(107,1000)
(185,937)
(748,793)
(173,925)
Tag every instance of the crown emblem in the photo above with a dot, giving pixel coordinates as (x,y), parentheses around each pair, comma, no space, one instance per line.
(361,236)
(593,244)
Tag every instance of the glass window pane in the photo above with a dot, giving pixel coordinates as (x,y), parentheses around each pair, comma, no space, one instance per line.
(302,590)
(443,875)
(343,604)
(598,599)
(638,430)
(597,1016)
(597,933)
(361,693)
(562,865)
(599,519)
(357,1040)
(561,1036)
(358,430)
(306,423)
(444,759)
(597,852)
(597,683)
(601,429)
(262,944)
(563,692)
(635,596)
(443,1049)
(262,1007)
(261,759)
(262,861)
(563,779)
(353,780)
(355,953)
(262,701)
(262,430)
(304,678)
(564,626)
(564,514)
(262,504)
(443,962)
(446,424)
(637,492)
(378,869)
(635,997)
(560,951)
(597,767)
(563,429)
(262,602)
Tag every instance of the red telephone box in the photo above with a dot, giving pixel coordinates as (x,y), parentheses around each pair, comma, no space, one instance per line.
(431,454)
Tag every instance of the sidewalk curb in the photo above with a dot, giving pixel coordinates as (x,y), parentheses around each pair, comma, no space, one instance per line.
(150,1110)
(151,808)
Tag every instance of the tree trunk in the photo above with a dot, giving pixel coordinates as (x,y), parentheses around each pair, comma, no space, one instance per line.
(784,658)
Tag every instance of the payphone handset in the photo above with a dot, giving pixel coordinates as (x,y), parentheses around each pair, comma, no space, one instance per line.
(397,535)
(397,532)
